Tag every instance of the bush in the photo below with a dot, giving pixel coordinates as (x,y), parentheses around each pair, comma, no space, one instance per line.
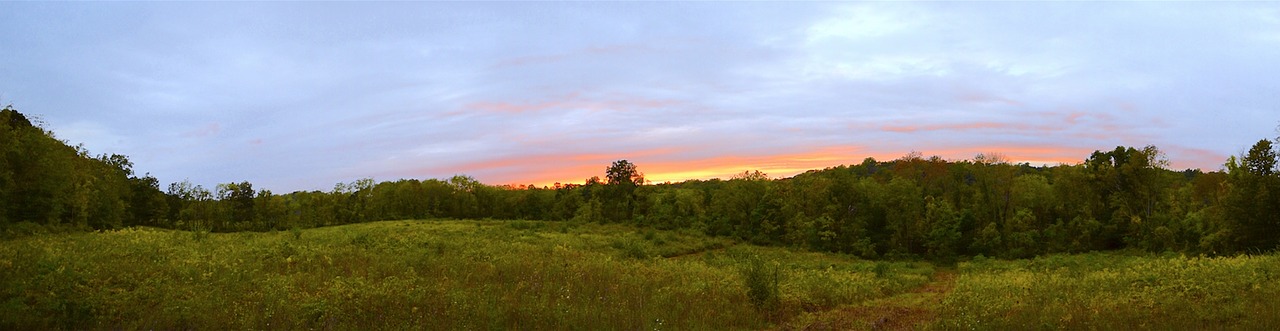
(762,284)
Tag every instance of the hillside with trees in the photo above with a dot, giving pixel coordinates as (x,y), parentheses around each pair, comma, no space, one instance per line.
(911,207)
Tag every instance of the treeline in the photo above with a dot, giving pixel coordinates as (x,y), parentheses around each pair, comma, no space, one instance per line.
(909,207)
(44,181)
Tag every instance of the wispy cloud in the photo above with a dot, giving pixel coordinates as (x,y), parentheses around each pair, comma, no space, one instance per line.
(277,94)
(204,131)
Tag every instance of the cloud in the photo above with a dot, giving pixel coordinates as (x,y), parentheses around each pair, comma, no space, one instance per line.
(569,102)
(536,92)
(966,127)
(1182,157)
(204,131)
(580,54)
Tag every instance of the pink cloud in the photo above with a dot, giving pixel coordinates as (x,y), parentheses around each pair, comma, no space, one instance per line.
(1194,158)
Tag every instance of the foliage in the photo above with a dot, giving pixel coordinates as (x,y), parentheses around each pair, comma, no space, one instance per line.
(444,275)
(911,207)
(621,253)
(46,182)
(1113,292)
(762,285)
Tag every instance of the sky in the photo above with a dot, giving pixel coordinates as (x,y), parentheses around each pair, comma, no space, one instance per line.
(302,95)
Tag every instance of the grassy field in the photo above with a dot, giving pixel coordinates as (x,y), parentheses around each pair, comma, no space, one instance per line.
(1117,292)
(544,275)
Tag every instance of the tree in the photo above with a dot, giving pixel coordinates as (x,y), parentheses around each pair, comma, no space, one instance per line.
(1130,181)
(271,211)
(912,206)
(238,200)
(148,205)
(41,175)
(672,208)
(104,185)
(1252,206)
(622,172)
(191,206)
(751,175)
(942,237)
(13,119)
(1261,159)
(462,199)
(622,178)
(902,197)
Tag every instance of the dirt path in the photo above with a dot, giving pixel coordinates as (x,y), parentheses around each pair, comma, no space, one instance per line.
(909,310)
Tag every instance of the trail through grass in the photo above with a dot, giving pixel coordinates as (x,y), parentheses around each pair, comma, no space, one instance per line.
(911,310)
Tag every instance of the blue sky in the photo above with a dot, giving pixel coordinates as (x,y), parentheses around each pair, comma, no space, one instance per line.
(299,96)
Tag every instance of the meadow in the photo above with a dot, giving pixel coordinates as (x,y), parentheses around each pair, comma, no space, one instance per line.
(458,275)
(1116,291)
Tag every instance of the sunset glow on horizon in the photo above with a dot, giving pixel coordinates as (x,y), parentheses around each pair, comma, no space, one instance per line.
(299,96)
(657,171)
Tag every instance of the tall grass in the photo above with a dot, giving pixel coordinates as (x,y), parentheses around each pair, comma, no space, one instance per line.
(416,275)
(1113,291)
(534,275)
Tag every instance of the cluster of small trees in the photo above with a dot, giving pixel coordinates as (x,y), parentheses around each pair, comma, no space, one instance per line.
(912,206)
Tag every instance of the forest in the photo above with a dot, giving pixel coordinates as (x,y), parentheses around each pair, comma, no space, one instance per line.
(912,207)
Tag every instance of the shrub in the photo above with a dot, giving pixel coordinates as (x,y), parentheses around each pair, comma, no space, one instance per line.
(762,284)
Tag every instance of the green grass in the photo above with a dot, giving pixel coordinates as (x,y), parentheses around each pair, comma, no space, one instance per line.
(418,275)
(553,275)
(1116,292)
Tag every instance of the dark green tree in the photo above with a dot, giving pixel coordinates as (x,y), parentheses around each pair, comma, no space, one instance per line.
(238,206)
(621,180)
(148,205)
(1253,204)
